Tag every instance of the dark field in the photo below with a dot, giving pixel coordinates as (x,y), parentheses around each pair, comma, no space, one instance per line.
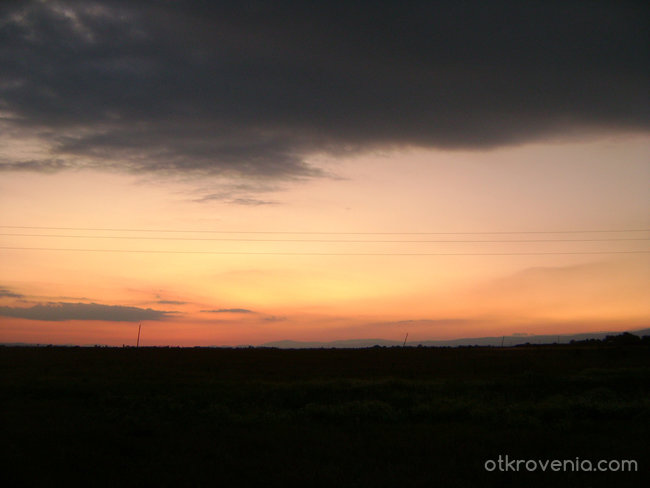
(367,417)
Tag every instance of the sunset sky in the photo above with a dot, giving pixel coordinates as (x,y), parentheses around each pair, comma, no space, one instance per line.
(235,173)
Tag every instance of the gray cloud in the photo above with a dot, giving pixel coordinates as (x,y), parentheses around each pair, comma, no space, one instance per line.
(170,302)
(252,89)
(7,293)
(228,197)
(58,311)
(228,310)
(274,318)
(240,193)
(38,165)
(426,322)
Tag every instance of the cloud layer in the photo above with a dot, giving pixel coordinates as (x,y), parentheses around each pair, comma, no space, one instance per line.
(7,293)
(83,311)
(228,310)
(253,89)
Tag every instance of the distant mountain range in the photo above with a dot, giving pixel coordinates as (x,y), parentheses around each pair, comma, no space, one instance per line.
(510,340)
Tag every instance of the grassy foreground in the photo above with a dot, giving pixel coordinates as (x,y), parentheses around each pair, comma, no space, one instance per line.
(337,418)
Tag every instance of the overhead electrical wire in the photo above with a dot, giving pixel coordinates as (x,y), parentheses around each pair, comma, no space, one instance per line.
(150,251)
(235,236)
(189,231)
(228,239)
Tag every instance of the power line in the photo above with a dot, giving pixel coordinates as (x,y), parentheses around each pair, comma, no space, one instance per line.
(245,253)
(222,239)
(91,229)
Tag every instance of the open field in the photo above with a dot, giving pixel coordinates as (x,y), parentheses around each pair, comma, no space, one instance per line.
(323,417)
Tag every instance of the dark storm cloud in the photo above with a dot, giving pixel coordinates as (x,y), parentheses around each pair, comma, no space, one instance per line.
(253,88)
(83,311)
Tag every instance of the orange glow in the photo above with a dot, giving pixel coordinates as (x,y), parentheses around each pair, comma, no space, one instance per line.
(324,295)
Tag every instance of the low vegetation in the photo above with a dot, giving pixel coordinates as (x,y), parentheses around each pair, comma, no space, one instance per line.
(323,417)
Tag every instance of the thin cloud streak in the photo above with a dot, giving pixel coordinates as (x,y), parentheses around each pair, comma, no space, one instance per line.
(8,293)
(229,310)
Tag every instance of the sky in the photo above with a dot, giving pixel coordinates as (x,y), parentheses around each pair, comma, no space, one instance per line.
(231,173)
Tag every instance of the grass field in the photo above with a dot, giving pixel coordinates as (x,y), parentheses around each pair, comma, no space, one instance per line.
(323,417)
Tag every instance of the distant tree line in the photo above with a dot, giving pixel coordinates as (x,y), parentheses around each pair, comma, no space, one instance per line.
(624,339)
